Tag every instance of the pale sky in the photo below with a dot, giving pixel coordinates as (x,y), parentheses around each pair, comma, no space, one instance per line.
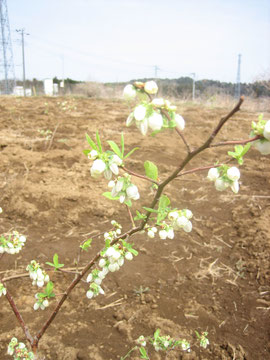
(119,40)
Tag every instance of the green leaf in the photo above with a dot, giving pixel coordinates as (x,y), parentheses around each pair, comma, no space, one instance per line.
(139,216)
(50,264)
(55,259)
(133,251)
(143,353)
(86,152)
(86,245)
(108,195)
(122,144)
(151,170)
(55,264)
(128,202)
(164,201)
(99,142)
(156,334)
(131,152)
(91,142)
(150,210)
(115,148)
(246,148)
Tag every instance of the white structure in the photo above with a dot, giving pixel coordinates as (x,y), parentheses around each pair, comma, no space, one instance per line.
(48,87)
(18,91)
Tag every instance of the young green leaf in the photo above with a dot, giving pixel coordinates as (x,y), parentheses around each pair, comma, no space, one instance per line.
(108,195)
(150,210)
(131,152)
(91,142)
(115,148)
(86,245)
(98,142)
(151,170)
(143,353)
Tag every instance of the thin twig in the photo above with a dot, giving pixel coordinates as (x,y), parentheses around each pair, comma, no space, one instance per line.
(202,168)
(184,140)
(139,176)
(52,138)
(130,216)
(237,142)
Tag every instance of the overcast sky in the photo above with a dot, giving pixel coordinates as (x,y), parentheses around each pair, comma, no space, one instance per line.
(119,40)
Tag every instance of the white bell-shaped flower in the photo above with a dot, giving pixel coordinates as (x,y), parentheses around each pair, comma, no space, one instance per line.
(233,173)
(263,147)
(132,192)
(129,91)
(97,168)
(151,87)
(139,112)
(235,186)
(180,122)
(220,184)
(158,102)
(155,121)
(266,131)
(213,174)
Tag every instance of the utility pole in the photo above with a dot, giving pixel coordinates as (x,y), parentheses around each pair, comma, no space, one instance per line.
(238,79)
(193,86)
(22,31)
(6,51)
(156,71)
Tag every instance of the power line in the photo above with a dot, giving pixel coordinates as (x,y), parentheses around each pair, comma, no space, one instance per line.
(6,50)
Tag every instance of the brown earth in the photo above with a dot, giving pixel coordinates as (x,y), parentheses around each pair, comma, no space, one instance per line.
(214,279)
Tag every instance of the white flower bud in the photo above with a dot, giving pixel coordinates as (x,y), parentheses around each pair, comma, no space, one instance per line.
(116,159)
(143,126)
(163,234)
(129,91)
(129,120)
(40,283)
(181,221)
(155,121)
(263,147)
(22,239)
(151,234)
(180,122)
(122,198)
(36,306)
(188,214)
(89,294)
(111,184)
(46,303)
(97,168)
(173,215)
(188,227)
(110,251)
(129,256)
(213,174)
(116,255)
(92,155)
(139,112)
(98,281)
(132,192)
(235,186)
(221,184)
(89,278)
(114,168)
(159,102)
(112,267)
(108,174)
(151,87)
(266,131)
(102,263)
(233,173)
(101,291)
(121,261)
(170,234)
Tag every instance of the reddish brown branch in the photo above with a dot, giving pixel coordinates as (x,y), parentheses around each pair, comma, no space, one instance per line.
(18,316)
(130,216)
(236,142)
(139,176)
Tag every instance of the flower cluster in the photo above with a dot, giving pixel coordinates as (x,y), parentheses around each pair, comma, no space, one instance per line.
(166,231)
(149,115)
(180,219)
(106,163)
(3,290)
(123,189)
(19,350)
(13,244)
(41,303)
(38,275)
(130,91)
(112,259)
(262,127)
(225,177)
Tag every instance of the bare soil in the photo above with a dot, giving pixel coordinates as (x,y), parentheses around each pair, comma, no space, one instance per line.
(214,279)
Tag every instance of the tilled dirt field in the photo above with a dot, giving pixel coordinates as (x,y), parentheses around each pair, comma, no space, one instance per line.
(214,279)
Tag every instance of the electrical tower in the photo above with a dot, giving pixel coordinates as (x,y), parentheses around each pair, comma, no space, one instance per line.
(238,79)
(7,77)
